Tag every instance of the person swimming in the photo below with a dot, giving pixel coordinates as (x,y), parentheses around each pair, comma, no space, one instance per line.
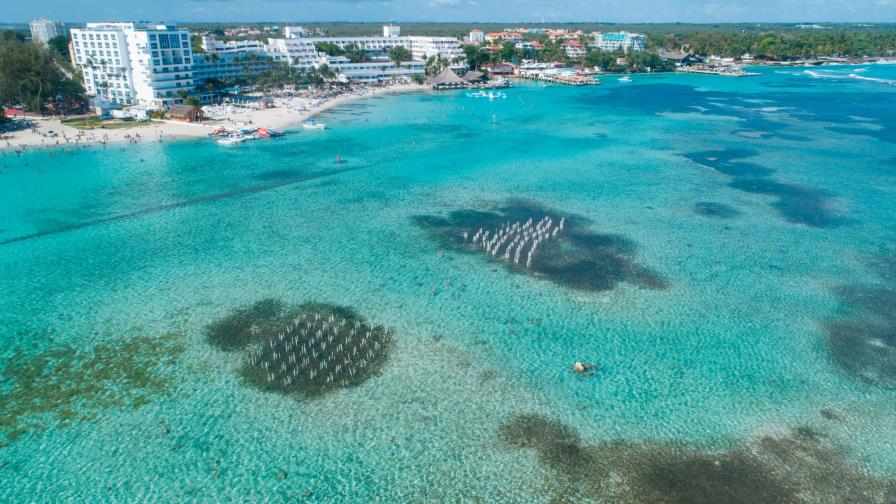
(584,368)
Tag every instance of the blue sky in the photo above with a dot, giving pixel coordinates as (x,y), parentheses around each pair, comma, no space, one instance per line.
(454,10)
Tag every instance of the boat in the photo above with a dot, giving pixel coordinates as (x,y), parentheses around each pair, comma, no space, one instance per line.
(234,139)
(625,78)
(268,133)
(313,124)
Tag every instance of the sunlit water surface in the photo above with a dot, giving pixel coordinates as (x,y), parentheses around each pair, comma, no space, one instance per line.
(761,210)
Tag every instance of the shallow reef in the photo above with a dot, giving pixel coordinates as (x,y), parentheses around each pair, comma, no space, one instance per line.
(247,325)
(302,351)
(796,204)
(64,384)
(529,238)
(794,468)
(862,341)
(717,210)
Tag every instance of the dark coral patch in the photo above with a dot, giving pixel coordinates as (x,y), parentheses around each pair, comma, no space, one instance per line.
(729,162)
(862,342)
(798,204)
(247,325)
(717,210)
(577,257)
(325,347)
(790,469)
(305,350)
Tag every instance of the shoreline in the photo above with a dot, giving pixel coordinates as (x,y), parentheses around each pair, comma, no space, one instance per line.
(161,130)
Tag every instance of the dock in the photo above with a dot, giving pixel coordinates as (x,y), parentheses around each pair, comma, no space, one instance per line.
(725,71)
(559,77)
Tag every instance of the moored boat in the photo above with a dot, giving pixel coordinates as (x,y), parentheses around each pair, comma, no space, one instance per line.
(313,124)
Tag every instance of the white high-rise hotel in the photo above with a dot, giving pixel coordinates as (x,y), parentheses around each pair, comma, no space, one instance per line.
(42,30)
(130,63)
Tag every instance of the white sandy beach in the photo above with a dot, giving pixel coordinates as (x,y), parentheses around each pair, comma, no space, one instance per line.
(286,112)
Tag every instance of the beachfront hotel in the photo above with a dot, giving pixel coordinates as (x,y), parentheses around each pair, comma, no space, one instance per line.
(301,51)
(152,65)
(134,63)
(625,41)
(42,30)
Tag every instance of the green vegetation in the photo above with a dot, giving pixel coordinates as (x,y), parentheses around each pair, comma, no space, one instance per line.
(64,384)
(475,56)
(196,44)
(398,54)
(59,45)
(329,49)
(281,75)
(3,117)
(355,54)
(90,123)
(33,76)
(435,65)
(784,44)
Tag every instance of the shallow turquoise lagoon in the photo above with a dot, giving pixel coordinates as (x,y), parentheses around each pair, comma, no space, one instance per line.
(742,308)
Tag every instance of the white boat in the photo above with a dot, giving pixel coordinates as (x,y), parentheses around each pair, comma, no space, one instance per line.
(234,139)
(625,78)
(313,124)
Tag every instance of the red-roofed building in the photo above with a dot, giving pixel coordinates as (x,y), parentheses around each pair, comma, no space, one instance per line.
(504,37)
(574,49)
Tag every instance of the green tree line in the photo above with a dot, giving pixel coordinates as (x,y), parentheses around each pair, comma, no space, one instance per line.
(34,77)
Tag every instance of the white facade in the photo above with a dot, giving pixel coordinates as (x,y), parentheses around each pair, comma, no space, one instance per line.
(293,32)
(231,60)
(620,40)
(134,63)
(574,51)
(372,71)
(212,45)
(444,47)
(42,30)
(294,51)
(476,36)
(302,52)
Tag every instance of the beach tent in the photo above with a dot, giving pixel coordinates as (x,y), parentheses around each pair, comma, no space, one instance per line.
(446,80)
(474,76)
(187,113)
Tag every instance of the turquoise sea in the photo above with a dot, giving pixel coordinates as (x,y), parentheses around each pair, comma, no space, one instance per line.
(730,266)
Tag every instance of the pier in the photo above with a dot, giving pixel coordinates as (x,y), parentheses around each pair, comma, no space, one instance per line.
(564,78)
(725,71)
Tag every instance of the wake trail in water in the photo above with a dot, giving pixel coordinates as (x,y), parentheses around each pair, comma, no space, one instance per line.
(852,76)
(179,204)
